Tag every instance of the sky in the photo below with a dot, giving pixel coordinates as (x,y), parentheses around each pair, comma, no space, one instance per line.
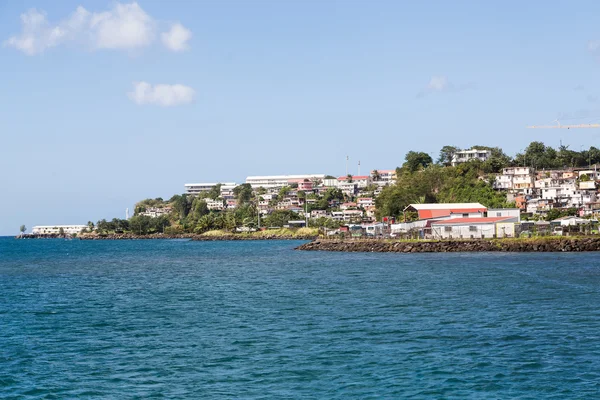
(105,103)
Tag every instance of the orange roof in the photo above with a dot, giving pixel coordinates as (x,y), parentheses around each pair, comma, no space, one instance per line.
(428,214)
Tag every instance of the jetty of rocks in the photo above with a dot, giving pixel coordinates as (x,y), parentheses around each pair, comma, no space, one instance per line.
(446,246)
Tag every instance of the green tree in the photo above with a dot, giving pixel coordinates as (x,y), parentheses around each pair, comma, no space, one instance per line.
(215,191)
(376,176)
(243,193)
(22,228)
(140,224)
(416,160)
(446,155)
(61,231)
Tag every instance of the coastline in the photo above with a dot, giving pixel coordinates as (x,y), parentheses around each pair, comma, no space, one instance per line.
(561,244)
(161,236)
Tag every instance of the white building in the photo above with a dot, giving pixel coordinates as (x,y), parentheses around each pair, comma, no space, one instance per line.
(195,188)
(55,229)
(364,202)
(155,212)
(217,204)
(360,181)
(227,190)
(519,179)
(279,181)
(504,212)
(384,176)
(473,228)
(462,156)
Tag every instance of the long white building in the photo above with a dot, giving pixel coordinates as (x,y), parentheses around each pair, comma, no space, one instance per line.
(274,181)
(55,229)
(195,188)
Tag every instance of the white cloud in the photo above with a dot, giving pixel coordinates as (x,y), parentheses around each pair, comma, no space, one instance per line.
(126,26)
(176,38)
(37,34)
(594,46)
(440,84)
(123,27)
(161,94)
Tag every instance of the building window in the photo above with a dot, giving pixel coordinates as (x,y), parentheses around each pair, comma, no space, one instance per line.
(447,229)
(472,228)
(465,215)
(498,214)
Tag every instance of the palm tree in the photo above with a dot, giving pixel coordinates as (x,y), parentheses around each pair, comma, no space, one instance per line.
(376,175)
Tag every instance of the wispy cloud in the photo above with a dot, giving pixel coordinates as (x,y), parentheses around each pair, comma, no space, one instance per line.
(123,27)
(161,94)
(441,84)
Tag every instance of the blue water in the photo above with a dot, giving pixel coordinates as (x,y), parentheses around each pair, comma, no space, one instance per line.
(257,320)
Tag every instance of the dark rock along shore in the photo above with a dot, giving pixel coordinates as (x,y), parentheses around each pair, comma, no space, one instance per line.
(508,245)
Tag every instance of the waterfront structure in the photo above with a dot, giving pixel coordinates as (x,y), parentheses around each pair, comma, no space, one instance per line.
(473,228)
(56,229)
(196,188)
(462,156)
(279,181)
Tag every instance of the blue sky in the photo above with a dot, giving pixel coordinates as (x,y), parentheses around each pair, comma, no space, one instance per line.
(106,103)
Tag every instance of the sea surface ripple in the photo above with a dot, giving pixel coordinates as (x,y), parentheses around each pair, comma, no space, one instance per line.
(257,320)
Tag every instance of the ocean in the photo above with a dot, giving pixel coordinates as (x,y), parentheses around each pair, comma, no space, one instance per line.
(258,320)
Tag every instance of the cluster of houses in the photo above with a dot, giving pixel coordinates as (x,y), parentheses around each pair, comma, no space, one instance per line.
(304,190)
(538,191)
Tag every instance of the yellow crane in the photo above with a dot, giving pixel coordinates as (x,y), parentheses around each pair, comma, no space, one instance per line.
(559,126)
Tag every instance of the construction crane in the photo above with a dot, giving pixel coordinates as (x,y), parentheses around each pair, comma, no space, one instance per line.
(559,126)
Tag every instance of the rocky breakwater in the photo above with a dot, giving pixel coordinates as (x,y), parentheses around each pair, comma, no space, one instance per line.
(446,246)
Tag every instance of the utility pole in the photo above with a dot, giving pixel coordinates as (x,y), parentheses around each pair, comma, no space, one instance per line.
(358,167)
(305,210)
(347,158)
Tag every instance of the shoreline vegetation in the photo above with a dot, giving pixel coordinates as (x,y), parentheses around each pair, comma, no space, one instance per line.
(214,235)
(539,244)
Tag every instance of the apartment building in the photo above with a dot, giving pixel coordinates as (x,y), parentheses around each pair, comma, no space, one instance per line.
(462,156)
(279,181)
(196,188)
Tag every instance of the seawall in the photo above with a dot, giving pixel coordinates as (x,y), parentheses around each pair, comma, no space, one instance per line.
(577,244)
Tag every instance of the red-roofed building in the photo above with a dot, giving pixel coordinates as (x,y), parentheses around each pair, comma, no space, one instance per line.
(448,210)
(361,181)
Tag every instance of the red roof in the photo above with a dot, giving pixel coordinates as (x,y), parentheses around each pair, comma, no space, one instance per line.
(488,220)
(428,214)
